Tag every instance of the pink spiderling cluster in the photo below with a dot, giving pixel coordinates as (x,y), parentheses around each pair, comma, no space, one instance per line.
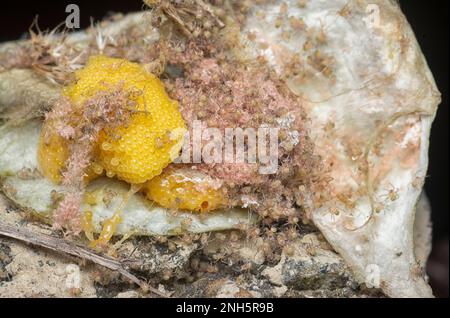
(224,95)
(67,214)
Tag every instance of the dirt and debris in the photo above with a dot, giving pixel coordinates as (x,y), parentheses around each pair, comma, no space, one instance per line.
(177,269)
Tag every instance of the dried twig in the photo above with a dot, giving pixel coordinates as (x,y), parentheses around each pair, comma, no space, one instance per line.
(208,9)
(64,246)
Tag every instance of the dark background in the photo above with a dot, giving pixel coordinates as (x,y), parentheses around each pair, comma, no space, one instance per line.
(429,19)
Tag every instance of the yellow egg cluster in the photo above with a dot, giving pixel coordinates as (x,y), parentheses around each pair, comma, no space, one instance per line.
(146,144)
(52,153)
(178,189)
(152,138)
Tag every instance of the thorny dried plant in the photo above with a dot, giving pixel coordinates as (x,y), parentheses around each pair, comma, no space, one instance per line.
(47,53)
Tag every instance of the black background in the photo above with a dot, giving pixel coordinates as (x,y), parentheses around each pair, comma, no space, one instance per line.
(429,19)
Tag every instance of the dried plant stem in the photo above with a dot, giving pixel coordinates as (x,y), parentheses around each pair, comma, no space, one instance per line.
(208,9)
(66,247)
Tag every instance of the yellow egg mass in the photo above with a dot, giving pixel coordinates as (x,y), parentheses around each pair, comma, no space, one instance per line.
(151,138)
(185,190)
